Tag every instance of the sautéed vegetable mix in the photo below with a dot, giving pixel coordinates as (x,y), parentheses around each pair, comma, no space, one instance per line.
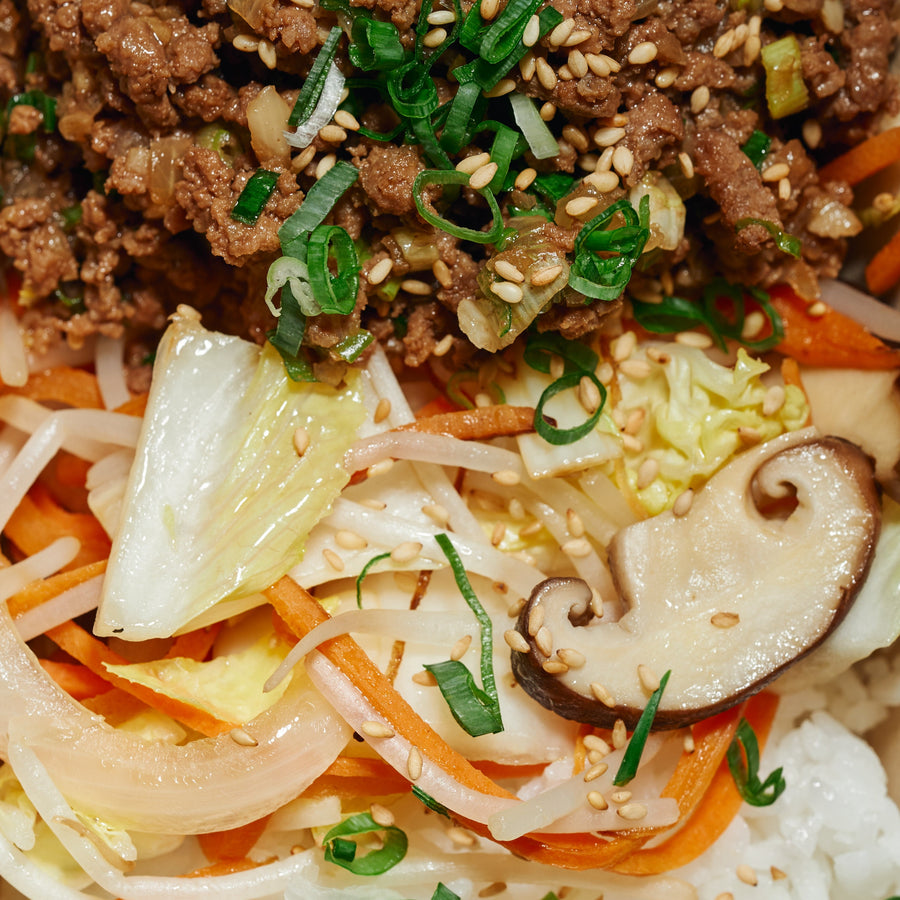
(449,449)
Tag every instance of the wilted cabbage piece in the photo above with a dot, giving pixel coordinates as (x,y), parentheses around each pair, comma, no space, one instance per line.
(219,501)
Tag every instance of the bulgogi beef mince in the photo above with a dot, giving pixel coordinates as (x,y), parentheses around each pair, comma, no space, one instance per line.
(425,171)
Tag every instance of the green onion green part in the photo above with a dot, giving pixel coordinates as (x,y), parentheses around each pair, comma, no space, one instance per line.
(452,177)
(254,196)
(632,758)
(786,91)
(555,435)
(743,761)
(430,802)
(342,852)
(312,87)
(365,571)
(785,242)
(442,892)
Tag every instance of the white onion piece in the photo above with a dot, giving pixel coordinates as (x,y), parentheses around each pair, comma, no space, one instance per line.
(207,785)
(877,317)
(71,603)
(13,362)
(111,372)
(432,448)
(403,624)
(329,100)
(43,564)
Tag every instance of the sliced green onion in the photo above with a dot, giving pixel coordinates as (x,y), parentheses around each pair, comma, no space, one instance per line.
(335,293)
(430,802)
(312,87)
(221,140)
(540,349)
(632,757)
(785,242)
(461,114)
(488,685)
(365,571)
(505,31)
(287,338)
(376,862)
(442,892)
(786,91)
(71,216)
(43,103)
(540,139)
(474,710)
(757,147)
(551,433)
(412,90)
(452,177)
(744,768)
(318,202)
(351,347)
(423,130)
(375,45)
(254,196)
(503,151)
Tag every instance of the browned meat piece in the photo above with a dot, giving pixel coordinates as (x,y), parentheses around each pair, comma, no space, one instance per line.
(821,73)
(386,175)
(428,323)
(654,124)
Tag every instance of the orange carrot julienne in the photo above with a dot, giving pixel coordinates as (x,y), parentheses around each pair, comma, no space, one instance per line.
(63,385)
(831,339)
(39,592)
(883,270)
(233,844)
(865,159)
(225,867)
(720,804)
(195,644)
(477,424)
(76,680)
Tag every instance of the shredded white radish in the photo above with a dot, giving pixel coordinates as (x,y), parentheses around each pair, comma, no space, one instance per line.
(13,362)
(11,442)
(71,603)
(877,317)
(111,372)
(329,100)
(39,565)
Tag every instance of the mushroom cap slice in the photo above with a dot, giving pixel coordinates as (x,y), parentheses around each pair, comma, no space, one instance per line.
(761,568)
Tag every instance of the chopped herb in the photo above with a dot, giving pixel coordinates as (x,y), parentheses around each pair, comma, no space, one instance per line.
(756,147)
(432,177)
(786,91)
(335,293)
(785,242)
(442,892)
(365,571)
(351,347)
(743,761)
(430,802)
(71,216)
(342,852)
(551,432)
(632,758)
(254,196)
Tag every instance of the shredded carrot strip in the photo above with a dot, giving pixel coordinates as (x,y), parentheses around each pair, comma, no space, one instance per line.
(883,270)
(39,592)
(438,405)
(477,424)
(350,777)
(136,406)
(39,520)
(832,339)
(94,653)
(115,706)
(195,644)
(63,385)
(69,470)
(865,159)
(225,867)
(75,679)
(234,844)
(720,804)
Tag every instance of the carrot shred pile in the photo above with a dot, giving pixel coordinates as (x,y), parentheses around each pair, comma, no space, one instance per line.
(865,159)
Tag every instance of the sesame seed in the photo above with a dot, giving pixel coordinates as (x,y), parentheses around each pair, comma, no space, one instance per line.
(578,36)
(381,815)
(596,743)
(333,560)
(604,164)
(380,271)
(602,694)
(884,202)
(460,836)
(239,736)
(303,158)
(812,133)
(503,87)
(753,325)
(666,77)
(741,33)
(498,887)
(506,477)
(406,552)
(379,468)
(777,874)
(267,54)
(564,73)
(472,164)
(346,120)
(608,136)
(632,812)
(577,63)
(574,523)
(630,442)
(414,763)
(577,548)
(635,420)
(747,874)
(383,410)
(580,205)
(376,729)
(332,134)
(527,66)
(784,189)
(546,276)
(724,44)
(725,895)
(751,49)
(683,503)
(415,286)
(532,529)
(483,400)
(773,400)
(620,796)
(817,309)
(326,164)
(245,43)
(623,160)
(623,346)
(516,641)
(619,734)
(372,503)
(441,17)
(776,172)
(699,99)
(424,678)
(687,165)
(647,472)
(544,640)
(588,161)
(725,619)
(461,647)
(535,619)
(654,353)
(498,534)
(694,339)
(648,678)
(576,137)
(597,800)
(545,74)
(516,607)
(635,368)
(532,33)
(614,65)
(434,38)
(436,513)
(525,178)
(748,435)
(643,53)
(483,176)
(350,540)
(572,658)
(561,33)
(597,64)
(489,9)
(604,181)
(507,270)
(595,771)
(548,110)
(300,440)
(508,292)
(554,667)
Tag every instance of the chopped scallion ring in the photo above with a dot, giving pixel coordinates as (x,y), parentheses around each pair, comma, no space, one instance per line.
(551,433)
(341,852)
(335,293)
(254,196)
(440,177)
